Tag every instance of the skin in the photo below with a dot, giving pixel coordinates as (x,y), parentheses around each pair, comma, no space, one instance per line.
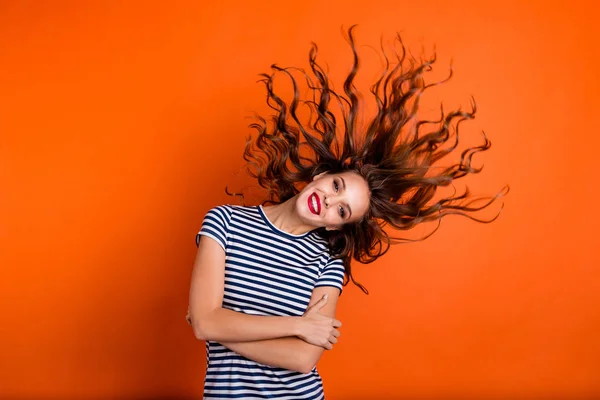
(294,343)
(343,198)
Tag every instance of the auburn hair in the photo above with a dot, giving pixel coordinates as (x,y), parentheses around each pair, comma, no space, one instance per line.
(393,151)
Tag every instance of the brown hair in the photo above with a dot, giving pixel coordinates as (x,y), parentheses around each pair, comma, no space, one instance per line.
(391,152)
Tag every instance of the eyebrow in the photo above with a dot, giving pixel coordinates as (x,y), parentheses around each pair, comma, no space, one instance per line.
(347,205)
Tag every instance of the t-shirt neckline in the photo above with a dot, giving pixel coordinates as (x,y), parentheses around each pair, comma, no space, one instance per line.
(275,229)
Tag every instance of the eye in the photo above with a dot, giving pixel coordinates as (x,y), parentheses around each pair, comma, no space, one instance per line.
(342,212)
(336,187)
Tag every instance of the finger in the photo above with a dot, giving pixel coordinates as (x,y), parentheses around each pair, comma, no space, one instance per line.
(333,339)
(319,304)
(328,346)
(336,333)
(336,323)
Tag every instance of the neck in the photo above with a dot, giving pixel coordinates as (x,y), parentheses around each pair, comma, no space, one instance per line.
(284,217)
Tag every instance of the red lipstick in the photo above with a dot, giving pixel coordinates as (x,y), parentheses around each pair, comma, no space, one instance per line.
(314,204)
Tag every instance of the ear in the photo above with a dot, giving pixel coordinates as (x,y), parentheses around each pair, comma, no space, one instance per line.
(319,176)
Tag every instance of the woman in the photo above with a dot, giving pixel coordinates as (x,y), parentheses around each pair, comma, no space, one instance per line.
(266,280)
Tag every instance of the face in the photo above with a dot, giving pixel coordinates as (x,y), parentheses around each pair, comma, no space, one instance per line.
(332,200)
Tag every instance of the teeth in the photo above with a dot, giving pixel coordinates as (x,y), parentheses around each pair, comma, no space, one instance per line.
(314,203)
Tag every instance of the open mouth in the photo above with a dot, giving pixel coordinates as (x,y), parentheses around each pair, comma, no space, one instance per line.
(314,204)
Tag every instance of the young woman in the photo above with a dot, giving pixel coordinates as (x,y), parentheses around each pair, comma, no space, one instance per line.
(267,279)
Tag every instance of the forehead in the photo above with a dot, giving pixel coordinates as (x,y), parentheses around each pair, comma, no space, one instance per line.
(353,179)
(358,192)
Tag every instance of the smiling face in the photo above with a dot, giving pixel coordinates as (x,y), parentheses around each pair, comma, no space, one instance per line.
(332,200)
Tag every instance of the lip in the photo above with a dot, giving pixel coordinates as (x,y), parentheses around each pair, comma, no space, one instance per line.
(310,205)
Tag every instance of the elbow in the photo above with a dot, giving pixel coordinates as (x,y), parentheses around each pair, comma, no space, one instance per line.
(201,331)
(306,364)
(305,368)
(206,326)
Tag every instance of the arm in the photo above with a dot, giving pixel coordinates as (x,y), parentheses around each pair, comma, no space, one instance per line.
(211,321)
(292,353)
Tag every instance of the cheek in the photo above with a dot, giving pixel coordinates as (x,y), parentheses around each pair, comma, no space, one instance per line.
(333,216)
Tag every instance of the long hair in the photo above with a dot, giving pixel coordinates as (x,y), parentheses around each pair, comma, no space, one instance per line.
(392,151)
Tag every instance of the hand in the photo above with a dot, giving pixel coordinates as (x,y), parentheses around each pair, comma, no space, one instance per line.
(318,329)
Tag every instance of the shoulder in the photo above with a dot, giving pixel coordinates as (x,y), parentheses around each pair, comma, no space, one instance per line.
(236,214)
(227,210)
(224,209)
(318,244)
(323,245)
(334,261)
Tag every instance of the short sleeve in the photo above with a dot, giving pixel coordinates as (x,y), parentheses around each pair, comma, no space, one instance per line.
(333,274)
(216,225)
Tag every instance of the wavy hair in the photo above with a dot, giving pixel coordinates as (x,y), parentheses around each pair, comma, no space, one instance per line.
(392,151)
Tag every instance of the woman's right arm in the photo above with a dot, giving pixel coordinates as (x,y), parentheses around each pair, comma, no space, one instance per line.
(211,321)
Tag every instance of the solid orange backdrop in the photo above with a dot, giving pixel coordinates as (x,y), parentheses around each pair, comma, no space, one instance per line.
(121,124)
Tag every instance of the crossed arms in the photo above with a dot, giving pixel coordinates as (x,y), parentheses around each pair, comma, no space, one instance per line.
(294,343)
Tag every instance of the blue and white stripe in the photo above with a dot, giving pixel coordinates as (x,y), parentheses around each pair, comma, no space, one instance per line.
(267,272)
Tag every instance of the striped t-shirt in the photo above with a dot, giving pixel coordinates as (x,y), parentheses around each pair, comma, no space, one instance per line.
(267,272)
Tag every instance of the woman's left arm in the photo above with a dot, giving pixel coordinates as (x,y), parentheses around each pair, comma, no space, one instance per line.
(291,352)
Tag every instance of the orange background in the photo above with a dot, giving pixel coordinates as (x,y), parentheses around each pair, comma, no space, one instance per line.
(121,124)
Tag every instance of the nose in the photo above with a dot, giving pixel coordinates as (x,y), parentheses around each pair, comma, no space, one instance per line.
(329,200)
